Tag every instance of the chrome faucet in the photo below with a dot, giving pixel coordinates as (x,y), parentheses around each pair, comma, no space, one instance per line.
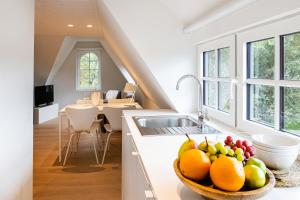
(200,110)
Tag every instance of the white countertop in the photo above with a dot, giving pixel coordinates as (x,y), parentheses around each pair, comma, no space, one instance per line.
(159,152)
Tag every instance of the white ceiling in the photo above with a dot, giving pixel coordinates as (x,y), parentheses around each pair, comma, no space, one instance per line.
(187,11)
(53,16)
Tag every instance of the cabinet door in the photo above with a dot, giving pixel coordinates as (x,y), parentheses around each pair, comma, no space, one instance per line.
(142,188)
(135,184)
(126,162)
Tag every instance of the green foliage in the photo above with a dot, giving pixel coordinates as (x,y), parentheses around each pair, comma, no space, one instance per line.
(262,59)
(292,56)
(263,104)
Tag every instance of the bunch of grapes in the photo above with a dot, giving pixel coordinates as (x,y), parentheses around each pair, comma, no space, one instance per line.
(242,149)
(217,150)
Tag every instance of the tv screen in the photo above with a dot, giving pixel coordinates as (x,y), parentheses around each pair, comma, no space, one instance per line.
(43,95)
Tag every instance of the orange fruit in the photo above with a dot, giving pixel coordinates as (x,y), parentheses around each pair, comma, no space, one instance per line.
(194,164)
(227,173)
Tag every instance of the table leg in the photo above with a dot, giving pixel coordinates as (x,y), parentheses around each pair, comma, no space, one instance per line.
(59,136)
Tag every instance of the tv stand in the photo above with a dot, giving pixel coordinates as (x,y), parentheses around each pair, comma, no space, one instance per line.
(45,113)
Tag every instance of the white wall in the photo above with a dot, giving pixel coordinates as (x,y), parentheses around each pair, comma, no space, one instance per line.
(65,79)
(152,46)
(16,87)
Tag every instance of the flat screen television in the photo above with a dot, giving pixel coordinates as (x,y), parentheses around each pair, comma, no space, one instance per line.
(43,95)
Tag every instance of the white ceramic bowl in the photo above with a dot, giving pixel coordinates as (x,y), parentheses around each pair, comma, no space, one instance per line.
(275,141)
(276,160)
(273,150)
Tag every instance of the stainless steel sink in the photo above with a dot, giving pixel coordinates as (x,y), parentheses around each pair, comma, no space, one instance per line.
(170,125)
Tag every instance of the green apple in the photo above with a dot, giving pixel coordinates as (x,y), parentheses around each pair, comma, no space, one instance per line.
(187,145)
(255,177)
(258,163)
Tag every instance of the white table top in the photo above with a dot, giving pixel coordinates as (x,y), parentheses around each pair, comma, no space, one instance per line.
(100,107)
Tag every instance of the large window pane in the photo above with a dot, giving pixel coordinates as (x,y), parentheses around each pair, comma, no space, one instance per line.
(291,56)
(210,65)
(261,104)
(224,55)
(224,96)
(210,93)
(260,57)
(291,109)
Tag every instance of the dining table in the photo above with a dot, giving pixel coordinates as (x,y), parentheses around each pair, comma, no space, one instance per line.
(62,115)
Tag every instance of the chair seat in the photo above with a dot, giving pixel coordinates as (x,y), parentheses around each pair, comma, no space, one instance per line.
(108,127)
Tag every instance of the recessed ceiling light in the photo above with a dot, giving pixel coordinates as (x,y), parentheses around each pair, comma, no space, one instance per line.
(70,25)
(89,26)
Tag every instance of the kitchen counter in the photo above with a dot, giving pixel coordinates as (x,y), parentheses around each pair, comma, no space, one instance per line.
(158,153)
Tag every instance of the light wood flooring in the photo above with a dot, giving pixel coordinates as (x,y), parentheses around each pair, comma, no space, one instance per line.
(80,179)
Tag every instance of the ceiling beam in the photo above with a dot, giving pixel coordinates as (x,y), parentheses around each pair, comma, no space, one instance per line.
(216,14)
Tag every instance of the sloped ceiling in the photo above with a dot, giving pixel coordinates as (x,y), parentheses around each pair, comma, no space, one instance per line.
(188,11)
(45,51)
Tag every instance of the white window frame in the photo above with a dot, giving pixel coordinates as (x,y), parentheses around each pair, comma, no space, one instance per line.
(274,30)
(81,52)
(229,41)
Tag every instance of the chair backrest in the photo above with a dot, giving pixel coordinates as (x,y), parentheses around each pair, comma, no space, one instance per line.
(82,118)
(112,94)
(113,115)
(96,98)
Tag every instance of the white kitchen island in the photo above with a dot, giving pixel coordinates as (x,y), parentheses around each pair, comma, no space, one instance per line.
(147,163)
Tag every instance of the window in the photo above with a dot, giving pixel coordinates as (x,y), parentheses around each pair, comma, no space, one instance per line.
(217,69)
(217,92)
(260,65)
(268,69)
(290,71)
(261,96)
(88,70)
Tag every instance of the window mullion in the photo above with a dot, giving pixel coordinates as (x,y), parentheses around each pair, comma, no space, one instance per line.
(277,87)
(261,82)
(90,69)
(217,75)
(228,80)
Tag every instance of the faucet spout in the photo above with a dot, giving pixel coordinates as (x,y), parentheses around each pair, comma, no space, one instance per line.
(200,95)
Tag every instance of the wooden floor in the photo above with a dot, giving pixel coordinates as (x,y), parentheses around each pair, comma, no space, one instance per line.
(81,179)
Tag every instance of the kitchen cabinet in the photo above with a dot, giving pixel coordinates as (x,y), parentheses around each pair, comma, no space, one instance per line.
(135,183)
